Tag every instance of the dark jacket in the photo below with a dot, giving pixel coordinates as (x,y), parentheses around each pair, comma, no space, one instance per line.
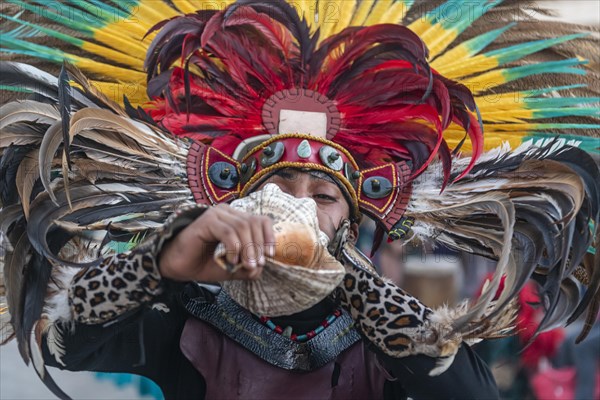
(147,342)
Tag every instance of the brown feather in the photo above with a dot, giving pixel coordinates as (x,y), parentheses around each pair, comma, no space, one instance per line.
(27,174)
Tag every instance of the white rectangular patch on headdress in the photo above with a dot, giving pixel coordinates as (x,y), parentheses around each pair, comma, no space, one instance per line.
(306,122)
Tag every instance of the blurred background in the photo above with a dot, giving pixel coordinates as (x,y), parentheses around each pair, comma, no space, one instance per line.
(522,372)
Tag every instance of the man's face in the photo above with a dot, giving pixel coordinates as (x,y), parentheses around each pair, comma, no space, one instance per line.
(332,207)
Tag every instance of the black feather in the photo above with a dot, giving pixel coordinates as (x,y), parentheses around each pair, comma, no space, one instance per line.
(284,13)
(187,88)
(9,164)
(64,105)
(21,76)
(37,277)
(138,114)
(14,277)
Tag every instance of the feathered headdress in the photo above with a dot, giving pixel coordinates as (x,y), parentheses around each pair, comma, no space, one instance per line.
(215,100)
(254,83)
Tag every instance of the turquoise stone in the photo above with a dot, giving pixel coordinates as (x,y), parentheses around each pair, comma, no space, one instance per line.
(304,150)
(331,158)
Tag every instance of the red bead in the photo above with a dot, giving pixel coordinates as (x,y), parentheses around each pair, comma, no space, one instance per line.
(325,324)
(294,337)
(310,334)
(264,320)
(278,330)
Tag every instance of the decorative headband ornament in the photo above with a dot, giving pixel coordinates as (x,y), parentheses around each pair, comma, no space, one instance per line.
(362,105)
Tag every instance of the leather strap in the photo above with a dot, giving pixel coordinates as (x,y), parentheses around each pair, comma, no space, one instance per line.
(238,324)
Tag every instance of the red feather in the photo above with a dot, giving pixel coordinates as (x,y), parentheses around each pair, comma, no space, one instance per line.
(393,106)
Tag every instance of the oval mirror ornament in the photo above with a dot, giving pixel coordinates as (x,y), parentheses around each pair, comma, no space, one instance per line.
(331,158)
(271,154)
(247,169)
(351,174)
(223,175)
(377,187)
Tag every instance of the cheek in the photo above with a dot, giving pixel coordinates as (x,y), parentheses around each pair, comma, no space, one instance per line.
(330,218)
(325,224)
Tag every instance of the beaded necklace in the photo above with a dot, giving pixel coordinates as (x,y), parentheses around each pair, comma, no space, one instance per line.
(287,332)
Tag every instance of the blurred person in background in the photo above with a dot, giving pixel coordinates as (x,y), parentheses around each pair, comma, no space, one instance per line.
(584,357)
(515,360)
(391,262)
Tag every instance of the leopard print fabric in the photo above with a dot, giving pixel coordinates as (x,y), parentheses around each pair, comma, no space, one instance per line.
(385,314)
(393,320)
(128,280)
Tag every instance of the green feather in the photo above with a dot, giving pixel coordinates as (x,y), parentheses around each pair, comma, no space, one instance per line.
(516,52)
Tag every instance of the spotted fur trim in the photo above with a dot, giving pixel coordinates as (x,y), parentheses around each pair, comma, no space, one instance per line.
(119,284)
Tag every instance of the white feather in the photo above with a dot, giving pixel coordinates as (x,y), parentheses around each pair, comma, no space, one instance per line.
(29,111)
(57,308)
(55,343)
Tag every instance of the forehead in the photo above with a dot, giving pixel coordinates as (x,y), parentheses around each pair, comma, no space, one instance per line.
(312,175)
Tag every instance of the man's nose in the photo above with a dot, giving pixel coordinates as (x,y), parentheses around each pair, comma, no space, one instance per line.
(300,193)
(299,189)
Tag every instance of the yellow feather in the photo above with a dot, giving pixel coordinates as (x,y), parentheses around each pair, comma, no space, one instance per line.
(486,81)
(491,107)
(468,66)
(113,55)
(102,69)
(117,41)
(515,128)
(442,42)
(131,27)
(492,139)
(420,26)
(153,11)
(442,63)
(185,6)
(135,91)
(362,12)
(506,98)
(432,35)
(504,116)
(347,8)
(396,13)
(378,13)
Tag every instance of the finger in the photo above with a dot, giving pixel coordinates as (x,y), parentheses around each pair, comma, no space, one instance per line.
(269,236)
(242,249)
(258,241)
(255,274)
(246,274)
(225,232)
(248,251)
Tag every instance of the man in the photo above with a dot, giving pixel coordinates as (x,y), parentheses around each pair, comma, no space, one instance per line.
(354,370)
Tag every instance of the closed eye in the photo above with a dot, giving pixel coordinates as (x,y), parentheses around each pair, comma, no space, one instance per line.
(325,197)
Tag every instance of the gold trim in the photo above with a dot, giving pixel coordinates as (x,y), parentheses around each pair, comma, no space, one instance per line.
(211,185)
(396,189)
(296,164)
(302,136)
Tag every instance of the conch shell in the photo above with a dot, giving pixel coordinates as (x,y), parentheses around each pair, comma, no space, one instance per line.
(301,273)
